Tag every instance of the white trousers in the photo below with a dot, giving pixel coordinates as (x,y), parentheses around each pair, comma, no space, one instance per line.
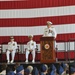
(33,54)
(12,54)
(55,44)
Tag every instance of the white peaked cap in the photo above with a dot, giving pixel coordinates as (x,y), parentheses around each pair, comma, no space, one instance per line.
(11,37)
(49,22)
(30,36)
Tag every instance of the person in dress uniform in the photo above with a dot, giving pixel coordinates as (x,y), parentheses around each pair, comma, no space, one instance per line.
(12,46)
(50,30)
(31,46)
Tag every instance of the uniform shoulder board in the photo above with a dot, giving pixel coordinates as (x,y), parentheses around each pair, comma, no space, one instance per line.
(52,27)
(9,42)
(45,29)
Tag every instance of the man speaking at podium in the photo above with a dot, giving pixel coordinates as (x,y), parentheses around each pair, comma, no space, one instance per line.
(50,31)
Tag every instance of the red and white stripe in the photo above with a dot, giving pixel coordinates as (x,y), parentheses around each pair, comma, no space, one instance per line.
(11,0)
(24,17)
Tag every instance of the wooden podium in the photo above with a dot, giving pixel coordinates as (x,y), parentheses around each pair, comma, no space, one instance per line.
(47,50)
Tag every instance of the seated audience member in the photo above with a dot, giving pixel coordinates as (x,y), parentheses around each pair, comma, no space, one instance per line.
(44,70)
(46,66)
(60,71)
(20,69)
(30,68)
(35,71)
(10,73)
(31,46)
(72,70)
(8,69)
(3,68)
(65,67)
(16,65)
(12,46)
(18,74)
(52,72)
(26,71)
(53,69)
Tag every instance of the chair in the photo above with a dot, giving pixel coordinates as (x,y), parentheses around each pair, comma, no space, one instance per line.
(30,55)
(1,53)
(16,54)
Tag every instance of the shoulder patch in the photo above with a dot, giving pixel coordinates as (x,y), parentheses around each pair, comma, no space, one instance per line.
(45,28)
(52,27)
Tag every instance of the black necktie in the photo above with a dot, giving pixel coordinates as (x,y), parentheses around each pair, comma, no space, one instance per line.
(49,31)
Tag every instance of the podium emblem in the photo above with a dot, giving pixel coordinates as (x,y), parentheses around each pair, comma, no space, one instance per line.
(47,46)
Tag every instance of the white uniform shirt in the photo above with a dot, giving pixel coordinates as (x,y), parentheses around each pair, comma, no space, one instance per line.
(31,45)
(48,33)
(12,45)
(3,72)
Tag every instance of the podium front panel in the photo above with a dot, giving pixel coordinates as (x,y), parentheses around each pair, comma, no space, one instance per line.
(47,50)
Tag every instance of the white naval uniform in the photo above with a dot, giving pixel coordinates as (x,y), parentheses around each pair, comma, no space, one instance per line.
(11,46)
(31,45)
(3,72)
(47,33)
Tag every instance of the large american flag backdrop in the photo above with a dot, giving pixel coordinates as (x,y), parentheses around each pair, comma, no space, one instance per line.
(24,17)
